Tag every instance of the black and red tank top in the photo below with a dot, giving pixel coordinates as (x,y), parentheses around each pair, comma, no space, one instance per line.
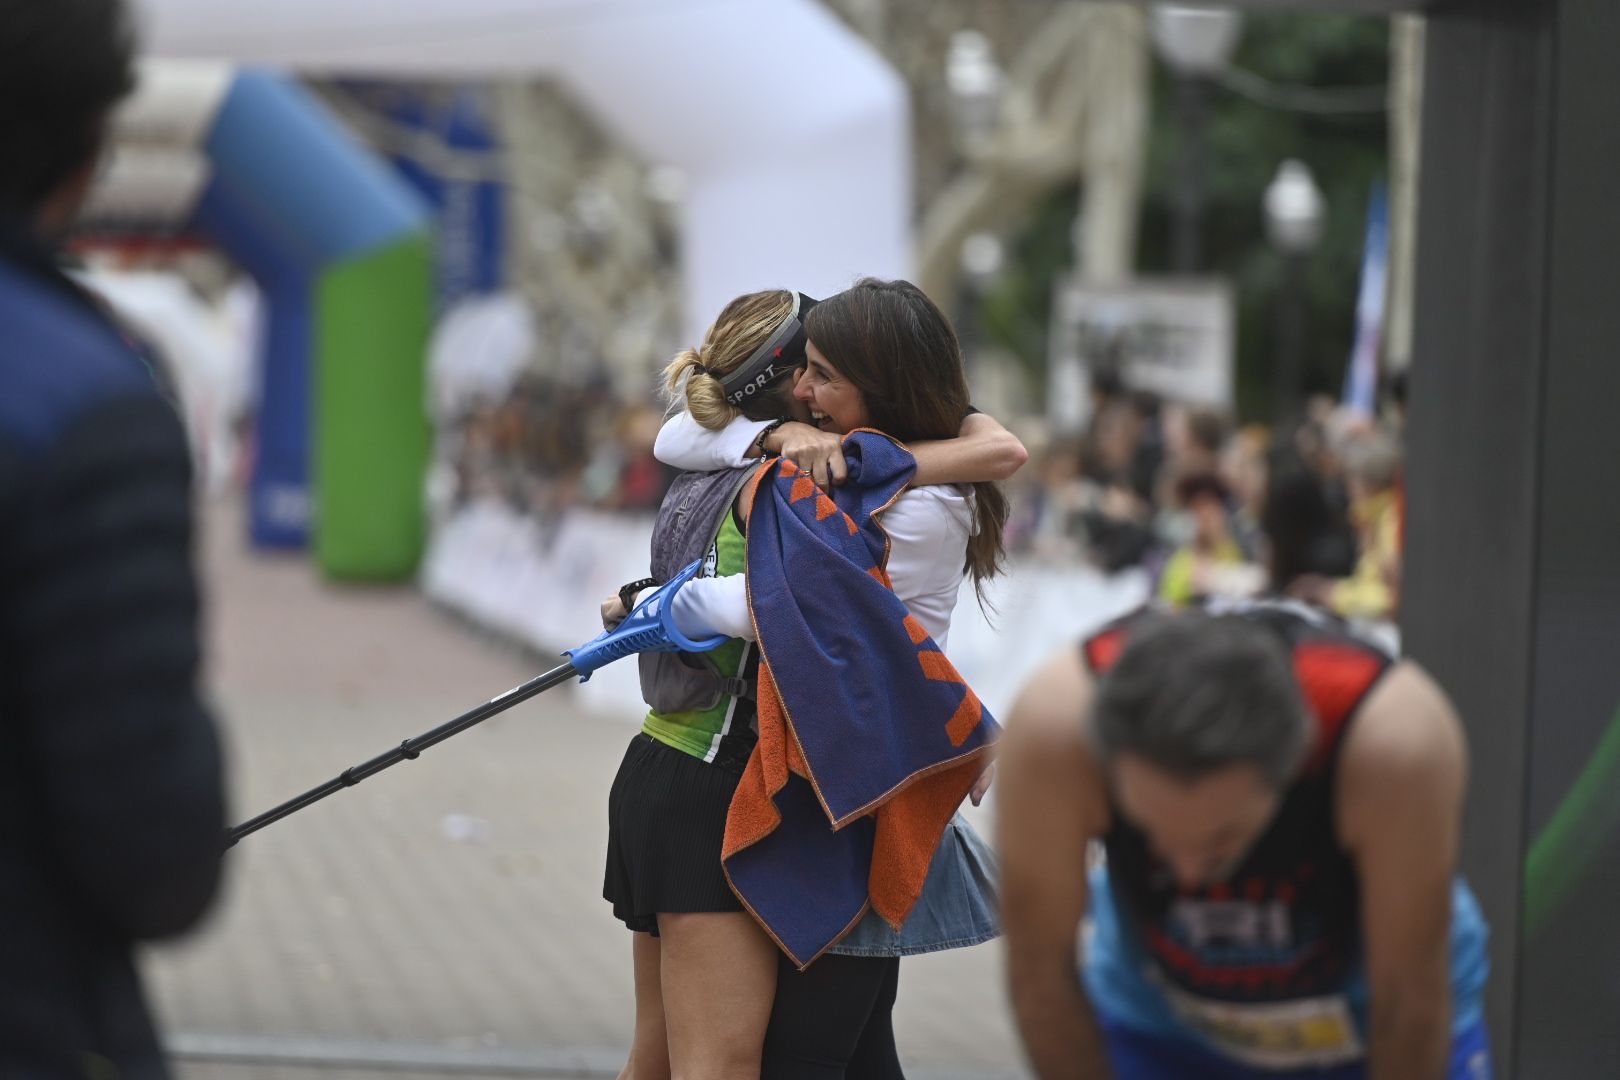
(1286,922)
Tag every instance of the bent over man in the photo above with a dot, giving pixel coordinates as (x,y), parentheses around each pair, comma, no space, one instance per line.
(1278,804)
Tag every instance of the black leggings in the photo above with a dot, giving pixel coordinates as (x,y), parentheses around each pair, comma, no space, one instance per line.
(834,1021)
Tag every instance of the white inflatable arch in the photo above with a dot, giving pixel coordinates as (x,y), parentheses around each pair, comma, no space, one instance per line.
(793,135)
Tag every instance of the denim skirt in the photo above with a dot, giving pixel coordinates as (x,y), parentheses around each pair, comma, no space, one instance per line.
(957,907)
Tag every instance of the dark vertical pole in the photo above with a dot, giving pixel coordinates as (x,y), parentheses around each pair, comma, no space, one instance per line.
(1192,107)
(969,299)
(1512,582)
(1569,972)
(1290,347)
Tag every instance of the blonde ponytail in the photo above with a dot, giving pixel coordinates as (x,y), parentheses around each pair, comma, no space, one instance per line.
(694,375)
(704,395)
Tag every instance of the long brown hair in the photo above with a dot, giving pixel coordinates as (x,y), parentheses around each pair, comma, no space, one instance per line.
(898,349)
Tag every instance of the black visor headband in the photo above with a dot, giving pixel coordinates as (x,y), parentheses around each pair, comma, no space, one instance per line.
(779,356)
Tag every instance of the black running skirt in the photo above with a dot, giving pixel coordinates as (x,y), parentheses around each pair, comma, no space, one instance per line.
(666,821)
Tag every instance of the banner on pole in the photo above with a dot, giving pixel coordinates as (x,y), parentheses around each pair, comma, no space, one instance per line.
(1361,375)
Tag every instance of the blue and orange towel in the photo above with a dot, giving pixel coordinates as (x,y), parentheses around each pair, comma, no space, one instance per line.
(869,740)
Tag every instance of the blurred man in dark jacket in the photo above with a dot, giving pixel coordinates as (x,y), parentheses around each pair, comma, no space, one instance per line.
(111,805)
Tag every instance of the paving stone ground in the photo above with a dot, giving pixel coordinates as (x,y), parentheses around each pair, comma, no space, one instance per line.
(444,918)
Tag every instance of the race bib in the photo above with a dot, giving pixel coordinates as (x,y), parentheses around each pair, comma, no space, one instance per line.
(1294,1034)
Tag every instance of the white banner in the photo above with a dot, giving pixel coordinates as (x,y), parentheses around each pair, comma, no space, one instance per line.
(544,587)
(1176,339)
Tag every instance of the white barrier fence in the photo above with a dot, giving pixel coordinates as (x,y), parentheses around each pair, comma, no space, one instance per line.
(541,584)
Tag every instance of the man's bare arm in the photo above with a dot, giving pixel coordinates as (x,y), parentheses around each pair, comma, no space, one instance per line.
(1400,811)
(1050,805)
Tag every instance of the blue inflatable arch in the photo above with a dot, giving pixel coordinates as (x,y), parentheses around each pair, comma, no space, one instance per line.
(341,247)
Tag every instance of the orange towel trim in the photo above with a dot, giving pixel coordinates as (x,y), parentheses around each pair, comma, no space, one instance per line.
(911,818)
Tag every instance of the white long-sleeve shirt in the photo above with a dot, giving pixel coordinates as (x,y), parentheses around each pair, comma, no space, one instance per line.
(928,531)
(686,444)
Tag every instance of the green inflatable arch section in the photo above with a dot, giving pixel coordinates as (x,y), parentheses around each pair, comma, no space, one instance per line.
(370,488)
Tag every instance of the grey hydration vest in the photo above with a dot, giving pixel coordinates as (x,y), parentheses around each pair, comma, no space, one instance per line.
(689,521)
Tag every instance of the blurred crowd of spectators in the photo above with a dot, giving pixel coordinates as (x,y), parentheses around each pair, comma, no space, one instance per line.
(551,445)
(1311,509)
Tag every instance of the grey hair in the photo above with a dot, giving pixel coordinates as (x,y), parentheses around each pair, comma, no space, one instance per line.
(1195,693)
(1374,459)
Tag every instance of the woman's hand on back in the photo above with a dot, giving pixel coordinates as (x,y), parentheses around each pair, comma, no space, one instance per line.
(819,453)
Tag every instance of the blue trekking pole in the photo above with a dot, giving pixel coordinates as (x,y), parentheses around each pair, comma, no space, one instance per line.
(649,628)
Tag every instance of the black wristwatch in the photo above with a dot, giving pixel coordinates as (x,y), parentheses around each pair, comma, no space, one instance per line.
(627,593)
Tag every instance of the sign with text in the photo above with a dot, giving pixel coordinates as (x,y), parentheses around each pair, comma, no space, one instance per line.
(1174,338)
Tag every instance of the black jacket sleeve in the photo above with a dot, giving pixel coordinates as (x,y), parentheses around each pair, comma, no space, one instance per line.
(104,634)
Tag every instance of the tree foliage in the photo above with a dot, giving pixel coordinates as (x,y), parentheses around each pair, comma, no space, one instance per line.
(1246,141)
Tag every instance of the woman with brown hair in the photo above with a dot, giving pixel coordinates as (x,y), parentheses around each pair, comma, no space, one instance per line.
(879,355)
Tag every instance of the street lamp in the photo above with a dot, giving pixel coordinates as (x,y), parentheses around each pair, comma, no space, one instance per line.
(1294,210)
(975,81)
(1197,43)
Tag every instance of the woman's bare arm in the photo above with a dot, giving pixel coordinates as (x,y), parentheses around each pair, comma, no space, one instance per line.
(983,451)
